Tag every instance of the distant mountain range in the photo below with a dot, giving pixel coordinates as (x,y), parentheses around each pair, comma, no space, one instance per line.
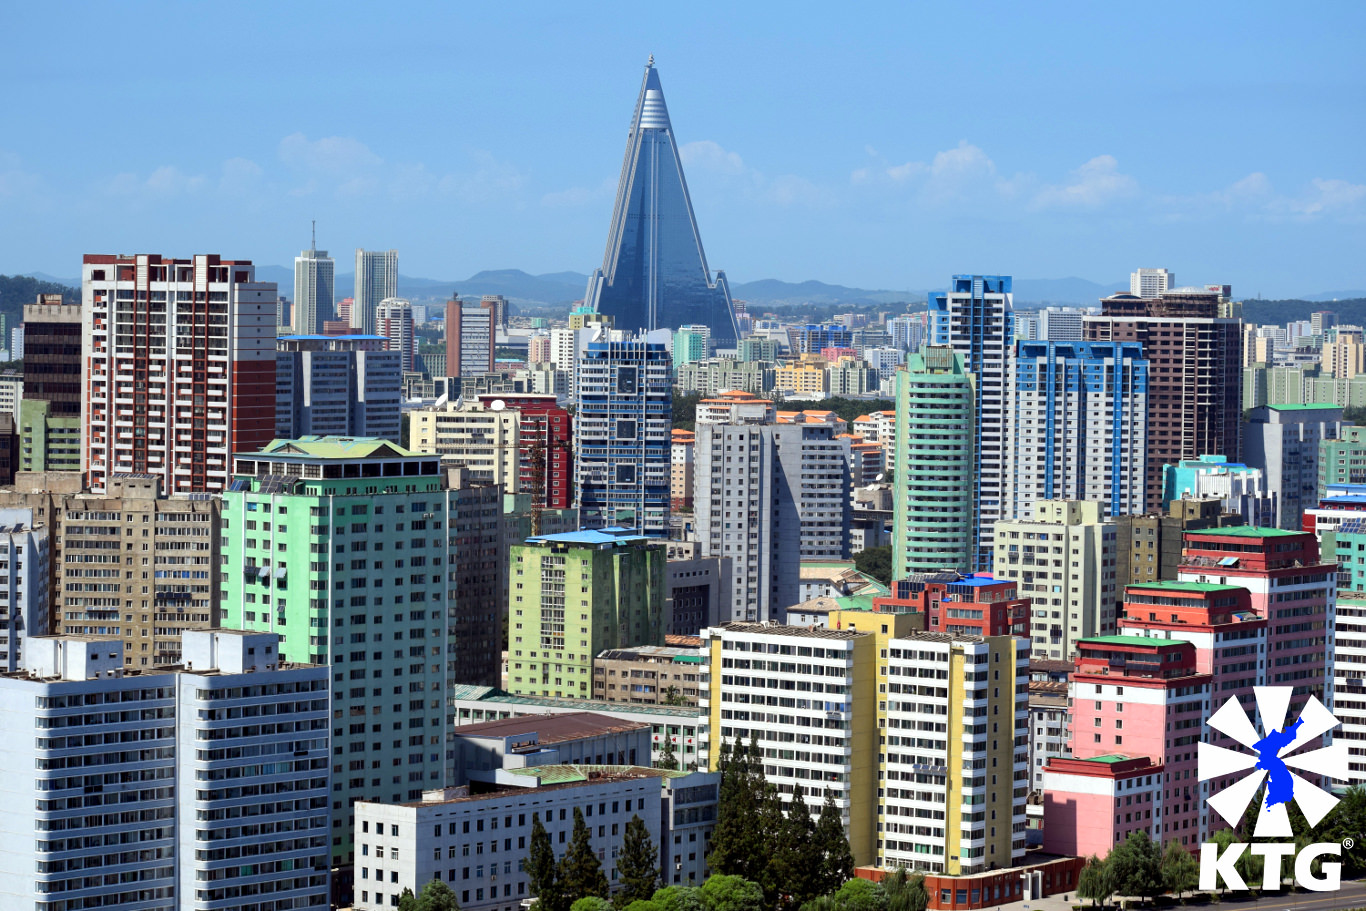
(562,288)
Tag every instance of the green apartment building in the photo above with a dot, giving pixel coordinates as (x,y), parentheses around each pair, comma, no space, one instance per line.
(375,560)
(574,595)
(933,521)
(1343,461)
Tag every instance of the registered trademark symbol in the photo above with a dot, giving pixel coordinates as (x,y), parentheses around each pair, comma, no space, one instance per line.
(1348,843)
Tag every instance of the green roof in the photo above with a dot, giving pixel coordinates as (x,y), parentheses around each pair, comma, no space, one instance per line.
(1245,531)
(493,695)
(1306,407)
(566,774)
(334,447)
(1129,640)
(1109,758)
(1185,586)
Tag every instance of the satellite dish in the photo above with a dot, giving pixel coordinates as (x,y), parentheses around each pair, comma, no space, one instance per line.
(497,405)
(880,477)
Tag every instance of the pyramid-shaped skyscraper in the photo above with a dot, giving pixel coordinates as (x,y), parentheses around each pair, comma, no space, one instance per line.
(654,274)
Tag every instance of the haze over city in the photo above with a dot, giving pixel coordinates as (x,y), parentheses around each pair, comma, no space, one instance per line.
(880,146)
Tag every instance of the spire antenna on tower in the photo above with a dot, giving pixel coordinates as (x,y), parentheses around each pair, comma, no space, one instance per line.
(315,234)
(651,62)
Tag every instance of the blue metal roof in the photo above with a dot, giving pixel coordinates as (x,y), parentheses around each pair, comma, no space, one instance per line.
(981,580)
(613,535)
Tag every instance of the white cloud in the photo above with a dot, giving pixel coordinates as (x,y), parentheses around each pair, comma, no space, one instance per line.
(580,196)
(706,161)
(338,156)
(1096,183)
(1330,197)
(964,173)
(165,181)
(490,179)
(709,155)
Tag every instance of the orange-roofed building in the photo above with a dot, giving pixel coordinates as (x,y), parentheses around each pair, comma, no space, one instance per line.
(735,407)
(681,468)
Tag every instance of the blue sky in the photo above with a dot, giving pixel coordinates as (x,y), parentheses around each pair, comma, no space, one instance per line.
(878,145)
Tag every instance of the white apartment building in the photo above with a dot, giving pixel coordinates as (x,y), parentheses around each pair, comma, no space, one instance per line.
(24,595)
(348,386)
(213,782)
(314,290)
(1150,283)
(1060,324)
(179,368)
(768,496)
(376,280)
(470,435)
(1064,561)
(394,321)
(12,390)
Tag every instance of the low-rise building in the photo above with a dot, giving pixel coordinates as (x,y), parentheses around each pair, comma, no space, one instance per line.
(649,674)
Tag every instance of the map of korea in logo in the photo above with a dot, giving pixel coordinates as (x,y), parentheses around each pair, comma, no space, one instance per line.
(1272,758)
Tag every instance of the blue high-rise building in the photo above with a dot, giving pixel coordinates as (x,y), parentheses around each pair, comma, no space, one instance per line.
(811,339)
(654,274)
(975,318)
(1080,426)
(621,436)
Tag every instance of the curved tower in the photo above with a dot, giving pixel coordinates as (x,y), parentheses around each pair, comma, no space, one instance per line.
(654,274)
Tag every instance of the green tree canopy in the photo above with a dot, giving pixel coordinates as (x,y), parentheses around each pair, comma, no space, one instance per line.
(837,864)
(1137,866)
(637,865)
(1093,883)
(579,872)
(1180,871)
(876,562)
(540,865)
(668,757)
(679,898)
(732,893)
(591,903)
(797,856)
(861,895)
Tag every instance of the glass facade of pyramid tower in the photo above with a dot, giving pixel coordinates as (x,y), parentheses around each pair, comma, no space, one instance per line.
(654,274)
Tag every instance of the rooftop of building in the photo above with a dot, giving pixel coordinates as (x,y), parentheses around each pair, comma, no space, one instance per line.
(591,537)
(494,695)
(551,728)
(1309,406)
(335,447)
(773,628)
(1244,531)
(543,778)
(1349,499)
(1109,758)
(680,641)
(821,604)
(566,774)
(1130,640)
(646,652)
(1170,585)
(981,580)
(928,636)
(329,338)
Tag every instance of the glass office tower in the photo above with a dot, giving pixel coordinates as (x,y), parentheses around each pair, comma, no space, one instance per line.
(654,274)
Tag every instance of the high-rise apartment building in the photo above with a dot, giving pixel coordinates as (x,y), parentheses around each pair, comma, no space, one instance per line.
(49,415)
(935,511)
(1347,546)
(654,274)
(767,496)
(376,280)
(871,732)
(179,368)
(976,319)
(574,595)
(567,346)
(1151,284)
(374,561)
(545,444)
(690,345)
(1194,378)
(471,333)
(314,290)
(621,436)
(183,797)
(1241,488)
(1148,547)
(484,441)
(1060,324)
(1341,460)
(682,458)
(347,385)
(394,321)
(1283,442)
(1080,420)
(1064,562)
(25,573)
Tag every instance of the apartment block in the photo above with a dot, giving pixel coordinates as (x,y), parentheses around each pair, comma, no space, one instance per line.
(1283,442)
(768,496)
(648,674)
(1241,487)
(545,441)
(1064,561)
(179,368)
(474,436)
(1148,547)
(347,385)
(471,334)
(575,595)
(976,605)
(49,417)
(935,510)
(369,559)
(24,574)
(203,808)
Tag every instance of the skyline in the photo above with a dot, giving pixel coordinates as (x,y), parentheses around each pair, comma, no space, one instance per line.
(501,148)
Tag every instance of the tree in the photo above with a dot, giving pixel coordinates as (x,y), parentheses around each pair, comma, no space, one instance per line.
(1138,866)
(1180,871)
(1223,838)
(637,865)
(591,903)
(797,856)
(540,866)
(1093,883)
(837,863)
(861,895)
(732,893)
(679,898)
(641,904)
(579,872)
(668,757)
(407,901)
(673,697)
(685,410)
(875,562)
(738,846)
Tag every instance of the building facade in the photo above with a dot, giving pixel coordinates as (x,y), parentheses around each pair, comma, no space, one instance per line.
(394,321)
(376,280)
(976,319)
(621,436)
(315,290)
(1283,441)
(179,368)
(49,415)
(471,334)
(575,595)
(1241,487)
(935,510)
(181,806)
(341,544)
(347,385)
